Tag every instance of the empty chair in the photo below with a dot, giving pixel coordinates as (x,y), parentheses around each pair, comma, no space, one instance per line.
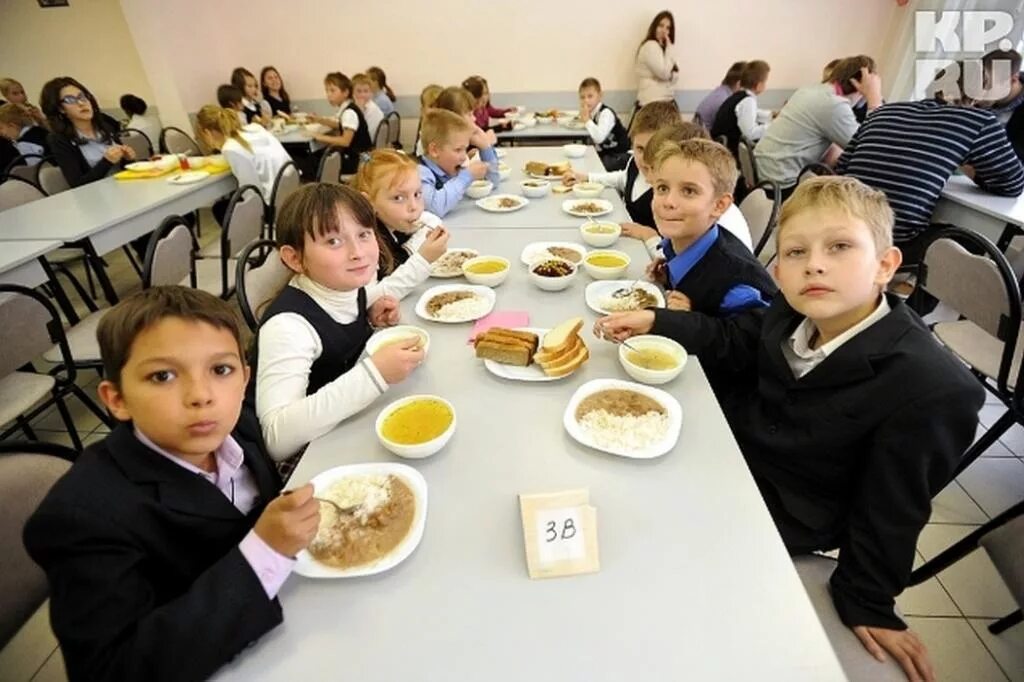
(139,142)
(394,122)
(382,138)
(169,255)
(748,165)
(761,209)
(177,141)
(52,180)
(16,191)
(260,277)
(243,223)
(286,182)
(330,167)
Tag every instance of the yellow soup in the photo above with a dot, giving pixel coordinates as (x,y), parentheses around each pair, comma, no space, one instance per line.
(651,358)
(606,260)
(486,267)
(418,422)
(404,340)
(600,229)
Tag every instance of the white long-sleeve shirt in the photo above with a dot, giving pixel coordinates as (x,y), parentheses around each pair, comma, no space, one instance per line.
(617,180)
(746,118)
(732,220)
(656,78)
(601,126)
(260,165)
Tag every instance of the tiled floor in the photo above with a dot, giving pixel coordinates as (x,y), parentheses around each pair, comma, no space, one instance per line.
(950,612)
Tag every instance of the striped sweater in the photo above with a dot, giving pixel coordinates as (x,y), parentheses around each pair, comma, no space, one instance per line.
(910,149)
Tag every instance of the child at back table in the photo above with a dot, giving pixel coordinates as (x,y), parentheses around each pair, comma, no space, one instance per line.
(849,414)
(445,172)
(349,129)
(606,130)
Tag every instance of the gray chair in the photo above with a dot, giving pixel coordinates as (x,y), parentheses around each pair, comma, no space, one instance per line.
(177,141)
(139,142)
(857,663)
(748,165)
(27,472)
(52,180)
(15,191)
(25,166)
(761,209)
(286,182)
(382,138)
(169,255)
(261,277)
(330,167)
(394,121)
(243,223)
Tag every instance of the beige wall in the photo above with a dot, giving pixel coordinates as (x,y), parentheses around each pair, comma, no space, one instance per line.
(88,40)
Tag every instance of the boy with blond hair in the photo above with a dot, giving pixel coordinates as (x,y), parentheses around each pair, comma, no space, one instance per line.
(445,171)
(166,543)
(603,124)
(850,416)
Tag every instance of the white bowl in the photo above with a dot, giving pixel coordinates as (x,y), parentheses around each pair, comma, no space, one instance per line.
(167,161)
(504,170)
(553,283)
(195,162)
(492,279)
(535,188)
(478,189)
(420,450)
(389,334)
(601,272)
(600,240)
(587,190)
(574,151)
(652,376)
(564,120)
(528,121)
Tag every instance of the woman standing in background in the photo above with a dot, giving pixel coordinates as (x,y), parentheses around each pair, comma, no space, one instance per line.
(656,68)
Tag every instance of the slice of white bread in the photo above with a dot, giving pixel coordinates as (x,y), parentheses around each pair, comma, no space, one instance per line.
(568,364)
(561,335)
(546,358)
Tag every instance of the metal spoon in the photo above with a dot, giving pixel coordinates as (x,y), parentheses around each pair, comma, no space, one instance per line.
(344,511)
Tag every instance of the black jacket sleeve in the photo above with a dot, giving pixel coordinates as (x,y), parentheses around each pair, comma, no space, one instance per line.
(719,342)
(106,614)
(72,163)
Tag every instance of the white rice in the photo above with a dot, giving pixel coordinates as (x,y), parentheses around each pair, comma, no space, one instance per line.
(463,309)
(371,492)
(626,432)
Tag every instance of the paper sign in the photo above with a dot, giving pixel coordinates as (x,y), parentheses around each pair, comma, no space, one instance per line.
(509,319)
(560,532)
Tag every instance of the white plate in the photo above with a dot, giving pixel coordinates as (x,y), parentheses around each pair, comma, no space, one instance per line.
(576,125)
(454,273)
(599,290)
(536,250)
(485,292)
(141,166)
(188,177)
(306,565)
(550,178)
(568,207)
(531,372)
(490,203)
(656,449)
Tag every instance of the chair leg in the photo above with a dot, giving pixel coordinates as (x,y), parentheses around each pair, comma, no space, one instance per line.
(26,429)
(65,416)
(103,415)
(986,441)
(1006,622)
(131,259)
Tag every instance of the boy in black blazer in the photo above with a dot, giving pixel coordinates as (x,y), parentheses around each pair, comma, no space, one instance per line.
(165,544)
(849,414)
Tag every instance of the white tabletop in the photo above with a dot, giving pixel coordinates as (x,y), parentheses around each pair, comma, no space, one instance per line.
(961,190)
(19,264)
(695,582)
(299,136)
(110,212)
(545,212)
(543,131)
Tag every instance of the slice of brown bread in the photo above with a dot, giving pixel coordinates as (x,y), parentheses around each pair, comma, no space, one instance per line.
(506,353)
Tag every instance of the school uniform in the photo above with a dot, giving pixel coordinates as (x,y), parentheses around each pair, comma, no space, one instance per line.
(277,105)
(384,102)
(443,192)
(1011,114)
(636,193)
(719,274)
(609,136)
(250,110)
(736,119)
(848,443)
(81,159)
(350,117)
(33,140)
(396,245)
(153,570)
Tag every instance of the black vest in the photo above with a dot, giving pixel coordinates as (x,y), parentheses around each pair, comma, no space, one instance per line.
(640,210)
(726,123)
(726,264)
(617,141)
(251,112)
(394,242)
(361,141)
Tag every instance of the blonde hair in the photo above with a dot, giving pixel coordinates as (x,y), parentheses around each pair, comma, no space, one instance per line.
(16,114)
(381,171)
(224,121)
(456,99)
(6,84)
(361,79)
(428,96)
(688,144)
(846,195)
(440,124)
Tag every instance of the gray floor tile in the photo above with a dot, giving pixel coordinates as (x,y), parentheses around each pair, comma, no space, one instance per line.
(1007,647)
(53,670)
(29,649)
(994,483)
(973,582)
(956,652)
(953,505)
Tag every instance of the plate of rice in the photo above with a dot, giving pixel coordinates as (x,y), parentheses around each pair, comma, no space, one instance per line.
(455,303)
(624,418)
(622,295)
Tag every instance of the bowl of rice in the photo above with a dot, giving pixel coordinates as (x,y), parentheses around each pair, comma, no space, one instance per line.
(455,303)
(624,418)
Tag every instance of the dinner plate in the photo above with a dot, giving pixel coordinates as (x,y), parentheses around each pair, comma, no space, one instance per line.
(490,203)
(569,206)
(549,178)
(537,250)
(188,177)
(576,125)
(655,449)
(450,274)
(307,565)
(141,166)
(486,293)
(599,290)
(532,373)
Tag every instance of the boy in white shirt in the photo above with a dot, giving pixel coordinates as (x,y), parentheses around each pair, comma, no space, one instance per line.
(606,130)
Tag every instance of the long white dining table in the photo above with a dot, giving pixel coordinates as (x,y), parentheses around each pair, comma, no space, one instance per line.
(694,580)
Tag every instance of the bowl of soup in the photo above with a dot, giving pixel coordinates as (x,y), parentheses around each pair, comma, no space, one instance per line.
(416,426)
(535,189)
(600,235)
(587,190)
(403,333)
(488,271)
(504,171)
(574,151)
(606,264)
(478,189)
(652,359)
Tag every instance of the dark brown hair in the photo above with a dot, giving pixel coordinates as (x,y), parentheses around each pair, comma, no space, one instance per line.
(654,116)
(732,76)
(653,28)
(266,91)
(754,73)
(340,81)
(239,75)
(848,69)
(228,96)
(123,323)
(827,70)
(377,74)
(475,85)
(49,102)
(590,83)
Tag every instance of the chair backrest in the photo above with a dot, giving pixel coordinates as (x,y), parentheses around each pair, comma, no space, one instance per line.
(24,166)
(761,209)
(24,480)
(139,142)
(177,141)
(813,170)
(243,220)
(722,140)
(169,258)
(15,191)
(748,166)
(31,327)
(394,121)
(52,180)
(330,167)
(382,136)
(259,277)
(286,182)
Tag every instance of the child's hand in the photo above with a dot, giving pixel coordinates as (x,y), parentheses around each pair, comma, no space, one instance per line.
(492,138)
(478,169)
(435,244)
(638,231)
(584,111)
(620,326)
(114,154)
(397,361)
(869,85)
(677,301)
(384,312)
(129,153)
(479,139)
(657,271)
(903,645)
(570,178)
(288,524)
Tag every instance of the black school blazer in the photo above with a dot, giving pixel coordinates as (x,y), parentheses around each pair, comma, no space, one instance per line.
(146,579)
(850,455)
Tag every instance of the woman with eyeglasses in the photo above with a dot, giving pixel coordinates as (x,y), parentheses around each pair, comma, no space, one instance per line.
(84,140)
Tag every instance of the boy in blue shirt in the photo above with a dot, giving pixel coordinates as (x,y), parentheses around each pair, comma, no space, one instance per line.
(445,171)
